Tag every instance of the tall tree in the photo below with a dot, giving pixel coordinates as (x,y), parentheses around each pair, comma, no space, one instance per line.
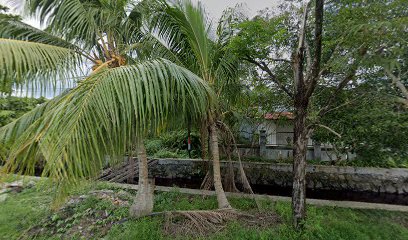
(119,100)
(185,32)
(304,86)
(290,44)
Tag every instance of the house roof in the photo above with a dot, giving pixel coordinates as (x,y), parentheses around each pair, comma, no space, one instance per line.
(279,115)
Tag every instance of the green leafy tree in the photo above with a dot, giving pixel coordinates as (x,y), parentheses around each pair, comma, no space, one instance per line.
(369,123)
(119,98)
(298,52)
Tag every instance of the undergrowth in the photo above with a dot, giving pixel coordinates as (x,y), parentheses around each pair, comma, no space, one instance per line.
(28,215)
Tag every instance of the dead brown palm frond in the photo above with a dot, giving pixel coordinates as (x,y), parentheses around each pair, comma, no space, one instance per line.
(229,173)
(208,180)
(206,222)
(243,178)
(229,140)
(199,222)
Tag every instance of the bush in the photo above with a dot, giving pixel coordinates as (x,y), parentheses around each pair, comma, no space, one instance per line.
(165,153)
(173,144)
(153,146)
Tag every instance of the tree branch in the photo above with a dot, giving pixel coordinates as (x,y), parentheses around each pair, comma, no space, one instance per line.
(281,60)
(362,50)
(397,81)
(299,55)
(308,59)
(343,83)
(314,76)
(264,67)
(330,130)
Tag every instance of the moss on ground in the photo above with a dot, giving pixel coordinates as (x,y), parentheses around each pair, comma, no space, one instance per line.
(93,216)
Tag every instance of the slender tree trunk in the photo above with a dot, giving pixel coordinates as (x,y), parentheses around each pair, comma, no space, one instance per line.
(221,197)
(131,166)
(304,89)
(299,144)
(203,140)
(143,203)
(299,168)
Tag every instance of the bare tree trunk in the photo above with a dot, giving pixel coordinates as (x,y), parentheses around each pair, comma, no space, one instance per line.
(143,203)
(221,197)
(304,89)
(299,168)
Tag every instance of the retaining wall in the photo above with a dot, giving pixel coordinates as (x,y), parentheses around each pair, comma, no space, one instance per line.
(382,180)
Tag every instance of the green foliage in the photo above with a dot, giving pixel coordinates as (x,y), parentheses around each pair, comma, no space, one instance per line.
(12,108)
(173,144)
(35,63)
(371,125)
(361,39)
(260,37)
(22,211)
(74,139)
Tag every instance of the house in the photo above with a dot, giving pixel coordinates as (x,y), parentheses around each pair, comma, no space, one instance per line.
(273,135)
(279,129)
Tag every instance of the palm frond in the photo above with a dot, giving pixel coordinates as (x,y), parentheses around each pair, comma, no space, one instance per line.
(13,28)
(89,23)
(102,117)
(25,62)
(182,27)
(74,19)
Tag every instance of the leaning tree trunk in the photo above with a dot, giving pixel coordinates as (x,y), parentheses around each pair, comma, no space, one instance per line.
(143,203)
(221,197)
(299,165)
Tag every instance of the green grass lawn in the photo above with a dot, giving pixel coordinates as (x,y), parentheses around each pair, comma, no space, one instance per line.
(28,215)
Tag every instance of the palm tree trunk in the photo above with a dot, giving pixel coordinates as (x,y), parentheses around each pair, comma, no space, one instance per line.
(143,203)
(203,140)
(221,197)
(131,166)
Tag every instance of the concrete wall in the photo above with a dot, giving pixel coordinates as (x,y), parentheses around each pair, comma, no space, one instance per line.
(318,177)
(281,152)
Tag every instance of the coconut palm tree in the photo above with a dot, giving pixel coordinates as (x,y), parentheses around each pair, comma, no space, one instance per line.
(183,31)
(120,96)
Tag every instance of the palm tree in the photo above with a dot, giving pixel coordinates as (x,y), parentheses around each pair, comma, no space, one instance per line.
(114,105)
(183,32)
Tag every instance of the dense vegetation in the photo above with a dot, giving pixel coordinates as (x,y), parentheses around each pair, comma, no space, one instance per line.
(173,144)
(12,108)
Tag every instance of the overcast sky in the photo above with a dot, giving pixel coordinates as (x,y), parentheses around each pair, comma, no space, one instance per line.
(214,8)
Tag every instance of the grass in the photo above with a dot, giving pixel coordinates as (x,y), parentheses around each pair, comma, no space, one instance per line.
(28,215)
